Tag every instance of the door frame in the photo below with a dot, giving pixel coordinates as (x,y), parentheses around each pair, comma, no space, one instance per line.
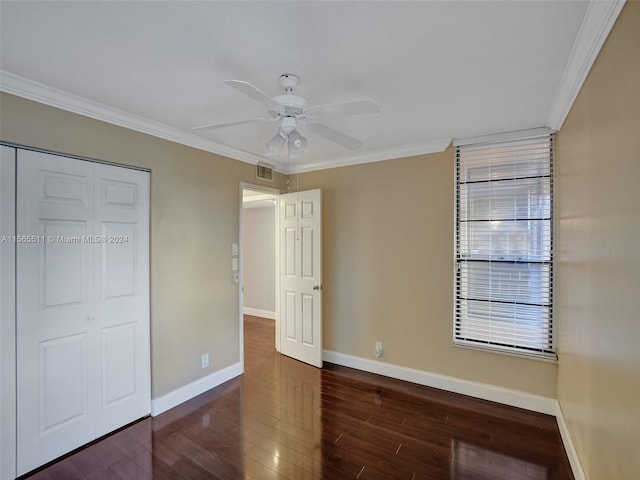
(273,191)
(8,317)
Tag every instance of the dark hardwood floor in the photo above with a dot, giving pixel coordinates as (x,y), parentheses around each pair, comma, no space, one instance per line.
(286,420)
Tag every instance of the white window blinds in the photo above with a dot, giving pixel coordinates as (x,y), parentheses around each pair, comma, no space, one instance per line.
(504,240)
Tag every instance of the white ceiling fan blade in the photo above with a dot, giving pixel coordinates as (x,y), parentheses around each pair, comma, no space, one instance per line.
(357,107)
(251,91)
(334,135)
(232,124)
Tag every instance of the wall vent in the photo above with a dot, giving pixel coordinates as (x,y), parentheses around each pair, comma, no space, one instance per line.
(265,173)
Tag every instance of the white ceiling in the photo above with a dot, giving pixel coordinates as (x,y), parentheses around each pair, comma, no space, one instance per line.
(438,69)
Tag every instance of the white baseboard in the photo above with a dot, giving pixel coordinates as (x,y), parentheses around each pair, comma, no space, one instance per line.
(515,398)
(256,312)
(569,447)
(193,389)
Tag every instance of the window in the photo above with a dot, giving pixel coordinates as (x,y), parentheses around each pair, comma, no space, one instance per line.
(504,239)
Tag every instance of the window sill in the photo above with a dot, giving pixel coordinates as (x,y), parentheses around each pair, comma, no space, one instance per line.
(542,357)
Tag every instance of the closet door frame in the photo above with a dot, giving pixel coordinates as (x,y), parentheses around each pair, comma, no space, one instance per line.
(8,393)
(7,314)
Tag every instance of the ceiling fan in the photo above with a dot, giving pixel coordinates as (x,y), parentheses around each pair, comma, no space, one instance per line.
(292,112)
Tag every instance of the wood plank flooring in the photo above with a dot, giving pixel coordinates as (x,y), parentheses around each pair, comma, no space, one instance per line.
(286,420)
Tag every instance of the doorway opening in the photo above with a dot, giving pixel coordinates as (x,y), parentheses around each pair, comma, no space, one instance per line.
(258,253)
(297,234)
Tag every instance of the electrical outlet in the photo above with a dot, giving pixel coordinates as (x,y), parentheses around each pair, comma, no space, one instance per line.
(378,350)
(205,360)
(236,277)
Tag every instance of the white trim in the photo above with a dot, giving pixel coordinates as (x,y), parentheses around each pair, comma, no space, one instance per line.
(376,156)
(193,389)
(25,88)
(500,350)
(569,447)
(504,137)
(594,30)
(256,312)
(7,315)
(240,276)
(277,244)
(514,398)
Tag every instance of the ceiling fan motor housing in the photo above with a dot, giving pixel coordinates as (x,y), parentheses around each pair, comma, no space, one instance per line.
(288,106)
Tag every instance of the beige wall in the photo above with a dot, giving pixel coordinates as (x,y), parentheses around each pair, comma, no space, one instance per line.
(388,272)
(598,259)
(194,220)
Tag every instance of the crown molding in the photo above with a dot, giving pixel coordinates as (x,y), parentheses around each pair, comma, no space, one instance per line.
(25,88)
(596,25)
(376,156)
(38,92)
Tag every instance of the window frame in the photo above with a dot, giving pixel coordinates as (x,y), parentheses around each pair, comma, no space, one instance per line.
(546,322)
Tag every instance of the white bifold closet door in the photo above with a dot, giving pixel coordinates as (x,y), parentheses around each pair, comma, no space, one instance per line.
(83,366)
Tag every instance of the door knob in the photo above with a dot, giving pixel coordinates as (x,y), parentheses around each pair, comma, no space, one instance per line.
(317,287)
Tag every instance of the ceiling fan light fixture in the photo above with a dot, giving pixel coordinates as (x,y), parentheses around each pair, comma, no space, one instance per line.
(297,143)
(290,111)
(287,125)
(276,143)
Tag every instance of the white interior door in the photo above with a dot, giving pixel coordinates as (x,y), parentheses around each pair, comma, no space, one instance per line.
(301,276)
(82,300)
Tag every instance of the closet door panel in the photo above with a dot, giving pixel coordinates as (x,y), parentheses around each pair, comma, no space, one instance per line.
(63,266)
(121,296)
(119,261)
(55,370)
